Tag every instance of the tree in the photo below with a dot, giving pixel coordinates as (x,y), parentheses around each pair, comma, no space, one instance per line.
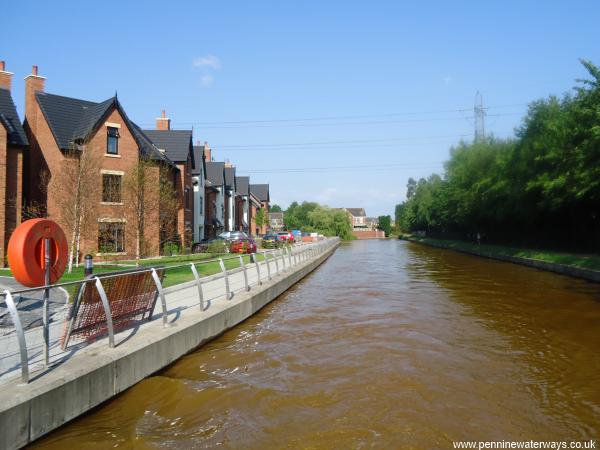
(261,219)
(151,205)
(76,190)
(385,224)
(275,208)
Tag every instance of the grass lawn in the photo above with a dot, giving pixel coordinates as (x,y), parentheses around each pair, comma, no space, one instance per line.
(172,276)
(569,259)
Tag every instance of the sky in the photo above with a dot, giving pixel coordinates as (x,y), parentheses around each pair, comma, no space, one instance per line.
(338,102)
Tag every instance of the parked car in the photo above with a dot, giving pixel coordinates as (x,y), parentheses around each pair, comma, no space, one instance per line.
(285,236)
(217,242)
(233,235)
(270,237)
(243,245)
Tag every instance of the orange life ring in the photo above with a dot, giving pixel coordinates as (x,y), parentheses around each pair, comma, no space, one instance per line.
(26,252)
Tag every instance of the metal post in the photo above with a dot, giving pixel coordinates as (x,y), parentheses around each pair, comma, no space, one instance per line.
(107,313)
(14,315)
(290,256)
(281,253)
(199,285)
(255,259)
(267,263)
(161,294)
(226,276)
(88,267)
(46,311)
(245,272)
(276,264)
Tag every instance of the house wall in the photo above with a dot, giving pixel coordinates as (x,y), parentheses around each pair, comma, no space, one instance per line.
(45,156)
(199,200)
(3,193)
(253,229)
(210,212)
(185,218)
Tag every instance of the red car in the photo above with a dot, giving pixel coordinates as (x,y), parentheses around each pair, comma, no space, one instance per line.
(285,236)
(243,245)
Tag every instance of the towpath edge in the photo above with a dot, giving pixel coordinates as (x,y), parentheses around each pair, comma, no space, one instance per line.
(96,374)
(563,269)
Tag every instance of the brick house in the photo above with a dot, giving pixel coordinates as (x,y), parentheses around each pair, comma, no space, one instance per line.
(242,204)
(13,144)
(214,198)
(276,221)
(358,216)
(230,194)
(199,186)
(177,145)
(61,131)
(261,192)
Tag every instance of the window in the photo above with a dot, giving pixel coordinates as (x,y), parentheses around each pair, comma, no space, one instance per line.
(111,237)
(111,188)
(201,212)
(112,144)
(186,195)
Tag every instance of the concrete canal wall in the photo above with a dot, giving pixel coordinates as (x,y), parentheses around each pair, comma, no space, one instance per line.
(586,274)
(97,373)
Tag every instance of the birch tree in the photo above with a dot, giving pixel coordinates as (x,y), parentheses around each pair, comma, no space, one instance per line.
(76,189)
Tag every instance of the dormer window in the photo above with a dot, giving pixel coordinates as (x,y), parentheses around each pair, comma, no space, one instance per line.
(112,144)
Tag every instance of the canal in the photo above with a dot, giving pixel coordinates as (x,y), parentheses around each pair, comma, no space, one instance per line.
(388,344)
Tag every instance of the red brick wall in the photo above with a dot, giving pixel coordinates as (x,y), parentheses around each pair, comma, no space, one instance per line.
(45,155)
(3,177)
(375,234)
(185,216)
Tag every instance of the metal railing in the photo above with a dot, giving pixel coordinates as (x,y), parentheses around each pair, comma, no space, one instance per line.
(283,260)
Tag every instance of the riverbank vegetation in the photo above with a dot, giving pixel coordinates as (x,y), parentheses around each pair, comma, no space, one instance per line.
(311,217)
(582,261)
(541,188)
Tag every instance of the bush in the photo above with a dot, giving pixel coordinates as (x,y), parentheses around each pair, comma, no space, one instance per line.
(170,249)
(217,247)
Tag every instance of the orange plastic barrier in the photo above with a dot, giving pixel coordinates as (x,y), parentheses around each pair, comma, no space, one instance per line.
(26,252)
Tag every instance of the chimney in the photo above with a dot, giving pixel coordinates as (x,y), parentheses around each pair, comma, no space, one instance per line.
(207,152)
(5,77)
(33,83)
(228,164)
(163,123)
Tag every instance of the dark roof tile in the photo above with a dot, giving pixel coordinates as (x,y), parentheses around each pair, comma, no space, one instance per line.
(10,119)
(261,191)
(176,143)
(215,173)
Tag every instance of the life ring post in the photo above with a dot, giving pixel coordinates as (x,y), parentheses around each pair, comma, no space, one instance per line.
(46,318)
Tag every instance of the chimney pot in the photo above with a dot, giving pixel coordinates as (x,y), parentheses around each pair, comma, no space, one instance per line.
(34,70)
(2,66)
(164,113)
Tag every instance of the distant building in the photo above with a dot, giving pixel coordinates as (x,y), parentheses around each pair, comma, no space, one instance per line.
(358,217)
(363,227)
(261,192)
(214,208)
(276,221)
(372,223)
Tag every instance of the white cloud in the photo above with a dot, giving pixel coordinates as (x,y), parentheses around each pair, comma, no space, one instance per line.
(206,80)
(208,61)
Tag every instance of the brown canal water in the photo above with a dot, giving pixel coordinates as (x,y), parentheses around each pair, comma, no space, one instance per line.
(388,344)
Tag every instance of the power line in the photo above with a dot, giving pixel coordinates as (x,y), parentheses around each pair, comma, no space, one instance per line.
(333,145)
(371,167)
(347,141)
(376,122)
(349,117)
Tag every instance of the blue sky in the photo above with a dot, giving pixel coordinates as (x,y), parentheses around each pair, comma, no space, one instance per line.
(386,86)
